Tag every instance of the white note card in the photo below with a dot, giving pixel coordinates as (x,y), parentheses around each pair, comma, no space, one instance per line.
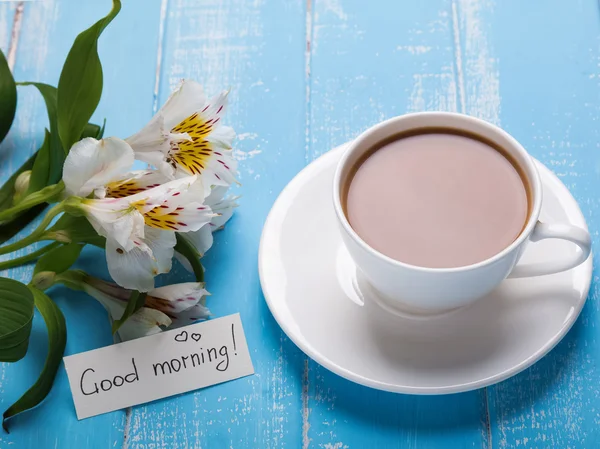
(158,366)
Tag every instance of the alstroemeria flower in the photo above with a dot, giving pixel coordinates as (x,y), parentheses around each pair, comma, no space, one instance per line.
(168,306)
(186,137)
(160,207)
(140,228)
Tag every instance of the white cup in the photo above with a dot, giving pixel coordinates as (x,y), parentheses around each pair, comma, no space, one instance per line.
(435,289)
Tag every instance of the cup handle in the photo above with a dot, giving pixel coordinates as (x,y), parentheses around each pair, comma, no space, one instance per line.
(571,233)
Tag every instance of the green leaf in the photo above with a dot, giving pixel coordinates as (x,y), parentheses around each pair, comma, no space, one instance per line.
(16,314)
(40,173)
(59,259)
(51,172)
(8,96)
(135,303)
(186,249)
(71,229)
(93,130)
(80,83)
(101,131)
(57,340)
(18,221)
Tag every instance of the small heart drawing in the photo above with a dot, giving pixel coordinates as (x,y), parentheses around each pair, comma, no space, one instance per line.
(196,337)
(182,336)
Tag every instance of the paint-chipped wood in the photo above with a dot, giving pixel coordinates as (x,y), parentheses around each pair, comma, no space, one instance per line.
(547,78)
(305,76)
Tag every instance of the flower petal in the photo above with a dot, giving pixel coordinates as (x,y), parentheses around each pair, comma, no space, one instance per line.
(203,122)
(191,315)
(152,144)
(188,98)
(135,269)
(151,137)
(158,160)
(186,218)
(194,193)
(156,196)
(216,165)
(224,209)
(161,243)
(115,219)
(142,323)
(135,182)
(174,299)
(217,193)
(92,163)
(201,239)
(222,136)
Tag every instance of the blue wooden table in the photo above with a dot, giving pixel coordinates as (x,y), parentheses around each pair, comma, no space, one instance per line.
(307,75)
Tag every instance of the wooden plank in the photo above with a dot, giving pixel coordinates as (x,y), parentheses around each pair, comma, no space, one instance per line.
(256,49)
(546,58)
(7,11)
(366,66)
(48,29)
(290,105)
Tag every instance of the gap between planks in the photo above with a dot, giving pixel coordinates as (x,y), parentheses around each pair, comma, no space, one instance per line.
(307,156)
(164,5)
(307,78)
(15,34)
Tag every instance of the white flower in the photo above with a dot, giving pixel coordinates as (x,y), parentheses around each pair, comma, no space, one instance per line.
(168,306)
(93,163)
(186,137)
(140,228)
(139,212)
(136,182)
(122,219)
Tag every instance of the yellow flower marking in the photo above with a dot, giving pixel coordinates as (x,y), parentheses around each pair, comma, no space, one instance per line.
(193,156)
(127,187)
(161,218)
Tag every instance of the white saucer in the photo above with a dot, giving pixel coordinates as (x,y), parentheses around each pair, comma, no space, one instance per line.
(312,288)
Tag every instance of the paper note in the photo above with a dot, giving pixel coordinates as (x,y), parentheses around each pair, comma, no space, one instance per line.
(158,366)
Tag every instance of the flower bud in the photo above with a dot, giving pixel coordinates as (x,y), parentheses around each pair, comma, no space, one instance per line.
(43,280)
(22,185)
(61,236)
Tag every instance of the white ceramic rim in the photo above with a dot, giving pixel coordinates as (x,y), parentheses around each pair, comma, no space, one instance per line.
(349,375)
(536,187)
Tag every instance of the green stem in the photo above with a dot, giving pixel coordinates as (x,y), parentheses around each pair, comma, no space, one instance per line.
(73,279)
(39,197)
(186,249)
(37,233)
(27,258)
